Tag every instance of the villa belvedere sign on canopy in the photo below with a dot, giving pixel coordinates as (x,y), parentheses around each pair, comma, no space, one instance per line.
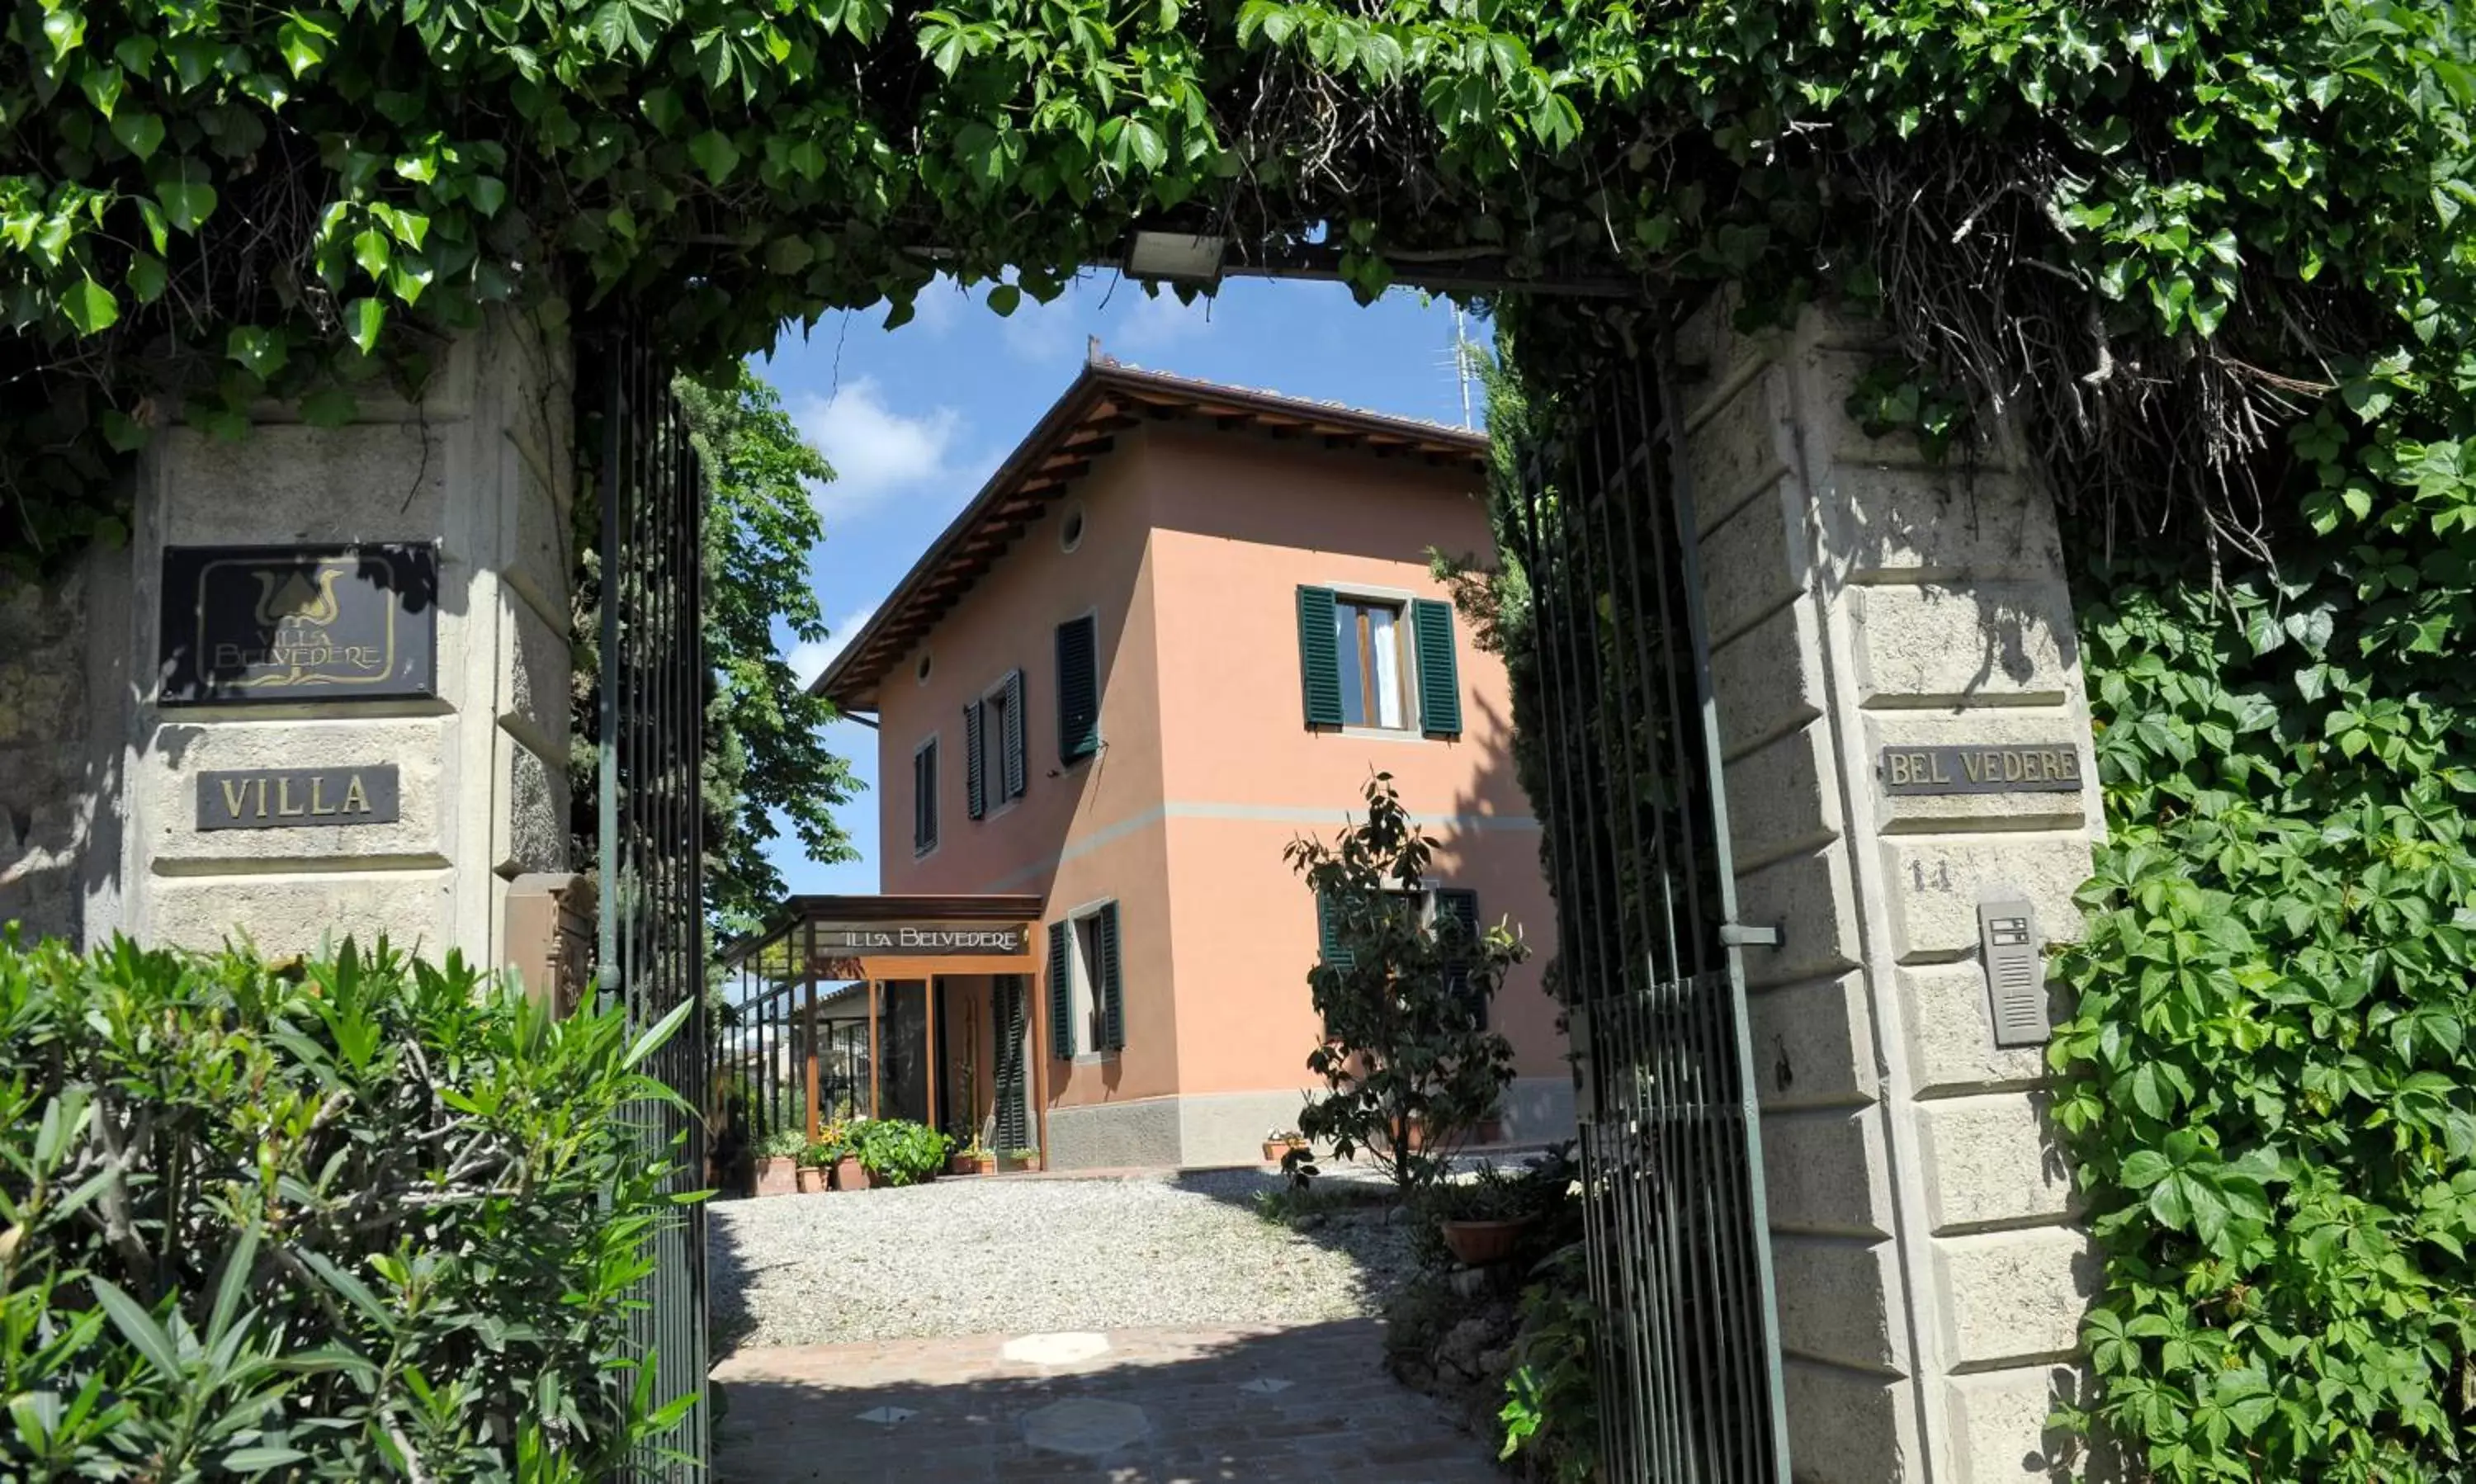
(924,939)
(2039,768)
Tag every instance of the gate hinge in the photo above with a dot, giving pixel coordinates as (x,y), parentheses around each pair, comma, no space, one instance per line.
(1742,935)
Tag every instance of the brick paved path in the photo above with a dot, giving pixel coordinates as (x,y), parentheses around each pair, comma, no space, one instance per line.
(1309,1405)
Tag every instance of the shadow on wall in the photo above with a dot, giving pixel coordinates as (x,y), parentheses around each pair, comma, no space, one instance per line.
(1159,1408)
(63,647)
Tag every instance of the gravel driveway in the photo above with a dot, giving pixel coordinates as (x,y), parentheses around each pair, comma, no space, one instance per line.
(997,1255)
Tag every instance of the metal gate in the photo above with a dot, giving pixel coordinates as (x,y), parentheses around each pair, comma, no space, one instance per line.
(1688,1346)
(649,731)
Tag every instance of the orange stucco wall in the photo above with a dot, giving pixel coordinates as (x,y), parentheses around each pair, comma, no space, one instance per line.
(1194,544)
(1239,525)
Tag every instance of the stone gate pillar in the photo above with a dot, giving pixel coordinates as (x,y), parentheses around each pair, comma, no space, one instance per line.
(1862,600)
(400,796)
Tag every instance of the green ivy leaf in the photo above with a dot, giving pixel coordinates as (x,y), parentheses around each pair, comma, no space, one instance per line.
(362,319)
(91,307)
(372,251)
(261,350)
(715,155)
(139,132)
(187,200)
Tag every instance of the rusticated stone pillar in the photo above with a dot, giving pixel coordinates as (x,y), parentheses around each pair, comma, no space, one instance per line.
(1861,599)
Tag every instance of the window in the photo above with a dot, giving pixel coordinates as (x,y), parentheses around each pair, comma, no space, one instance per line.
(1078,690)
(924,798)
(1366,636)
(993,728)
(1086,994)
(1378,661)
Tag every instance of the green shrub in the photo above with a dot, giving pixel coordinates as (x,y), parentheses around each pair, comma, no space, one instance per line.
(356,1218)
(896,1151)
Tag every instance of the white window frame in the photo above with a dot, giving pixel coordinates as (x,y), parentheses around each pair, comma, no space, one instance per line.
(1083,997)
(937,787)
(1414,727)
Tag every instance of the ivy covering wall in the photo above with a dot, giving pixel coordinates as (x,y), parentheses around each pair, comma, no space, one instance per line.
(2209,259)
(2269,1086)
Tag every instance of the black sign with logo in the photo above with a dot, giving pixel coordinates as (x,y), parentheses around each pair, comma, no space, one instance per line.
(298,798)
(300,623)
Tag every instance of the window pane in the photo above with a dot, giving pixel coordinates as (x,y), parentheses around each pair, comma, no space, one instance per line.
(1090,1035)
(1353,679)
(1384,639)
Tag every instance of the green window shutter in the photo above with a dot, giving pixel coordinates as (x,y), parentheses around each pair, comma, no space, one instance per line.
(1328,934)
(976,769)
(1462,906)
(1078,690)
(1061,992)
(1439,681)
(1013,1118)
(1113,1000)
(1012,771)
(1319,657)
(924,798)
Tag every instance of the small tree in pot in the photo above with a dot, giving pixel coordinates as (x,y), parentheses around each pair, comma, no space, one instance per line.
(1408,1064)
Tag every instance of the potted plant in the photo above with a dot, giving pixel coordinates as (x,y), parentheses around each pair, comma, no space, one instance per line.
(1017,1159)
(1481,1219)
(1280,1142)
(896,1151)
(974,1158)
(817,1162)
(777,1163)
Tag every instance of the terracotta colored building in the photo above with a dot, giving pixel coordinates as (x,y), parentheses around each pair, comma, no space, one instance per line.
(1178,628)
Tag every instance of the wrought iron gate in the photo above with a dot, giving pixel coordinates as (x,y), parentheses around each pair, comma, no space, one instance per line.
(649,824)
(1688,1373)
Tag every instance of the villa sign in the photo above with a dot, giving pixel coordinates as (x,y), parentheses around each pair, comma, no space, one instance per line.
(924,939)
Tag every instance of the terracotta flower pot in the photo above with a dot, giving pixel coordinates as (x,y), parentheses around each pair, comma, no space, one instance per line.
(1477,1244)
(1275,1148)
(778,1177)
(850,1173)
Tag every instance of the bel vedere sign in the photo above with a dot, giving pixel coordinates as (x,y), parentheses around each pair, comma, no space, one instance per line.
(2040,768)
(298,798)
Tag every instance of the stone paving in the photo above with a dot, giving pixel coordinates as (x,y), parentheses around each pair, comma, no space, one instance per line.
(1303,1405)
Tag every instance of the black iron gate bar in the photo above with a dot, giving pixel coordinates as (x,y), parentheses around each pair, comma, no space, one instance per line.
(651,836)
(1680,1260)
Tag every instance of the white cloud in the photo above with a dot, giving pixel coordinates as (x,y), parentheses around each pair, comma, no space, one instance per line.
(809,660)
(876,449)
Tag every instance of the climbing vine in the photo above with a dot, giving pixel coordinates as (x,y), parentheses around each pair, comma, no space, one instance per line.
(2208,261)
(2160,229)
(2266,1084)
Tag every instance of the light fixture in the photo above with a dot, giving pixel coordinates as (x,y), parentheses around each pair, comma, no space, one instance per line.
(1176,255)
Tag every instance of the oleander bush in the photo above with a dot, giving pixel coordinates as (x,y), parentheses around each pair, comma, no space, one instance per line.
(357,1217)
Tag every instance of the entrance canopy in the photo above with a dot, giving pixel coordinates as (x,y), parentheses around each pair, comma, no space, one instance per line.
(840,1005)
(828,939)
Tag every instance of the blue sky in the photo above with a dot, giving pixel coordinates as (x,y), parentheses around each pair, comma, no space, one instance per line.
(914,419)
